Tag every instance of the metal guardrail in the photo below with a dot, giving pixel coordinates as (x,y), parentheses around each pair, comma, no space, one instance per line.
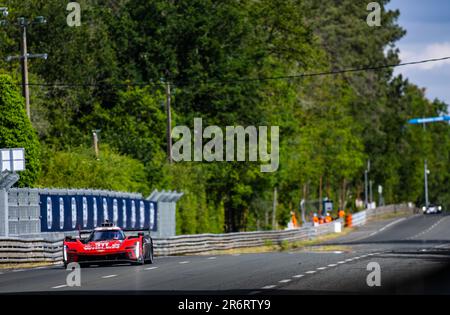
(361,218)
(16,250)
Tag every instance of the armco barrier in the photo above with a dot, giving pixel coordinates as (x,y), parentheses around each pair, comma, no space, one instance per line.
(363,217)
(15,250)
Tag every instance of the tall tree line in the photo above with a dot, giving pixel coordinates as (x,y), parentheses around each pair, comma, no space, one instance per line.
(109,74)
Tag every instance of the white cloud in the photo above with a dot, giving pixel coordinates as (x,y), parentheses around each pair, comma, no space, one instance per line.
(430,51)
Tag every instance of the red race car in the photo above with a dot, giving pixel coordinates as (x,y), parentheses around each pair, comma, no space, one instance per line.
(108,244)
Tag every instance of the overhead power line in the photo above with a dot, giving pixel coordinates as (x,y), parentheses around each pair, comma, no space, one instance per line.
(241,80)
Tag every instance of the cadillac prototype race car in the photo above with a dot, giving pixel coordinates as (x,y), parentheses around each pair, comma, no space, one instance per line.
(108,244)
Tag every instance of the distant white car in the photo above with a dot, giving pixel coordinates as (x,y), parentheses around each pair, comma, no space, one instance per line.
(432,209)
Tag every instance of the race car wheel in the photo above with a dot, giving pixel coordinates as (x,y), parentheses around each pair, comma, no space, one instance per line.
(150,254)
(141,260)
(143,255)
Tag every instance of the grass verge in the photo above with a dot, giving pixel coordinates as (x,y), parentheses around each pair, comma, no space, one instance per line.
(14,266)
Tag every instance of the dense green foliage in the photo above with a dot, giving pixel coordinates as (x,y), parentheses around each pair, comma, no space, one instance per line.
(16,130)
(109,74)
(79,168)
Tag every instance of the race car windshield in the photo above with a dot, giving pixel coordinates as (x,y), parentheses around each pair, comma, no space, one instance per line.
(106,236)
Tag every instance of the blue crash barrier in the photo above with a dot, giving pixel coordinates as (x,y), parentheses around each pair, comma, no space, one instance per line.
(70,213)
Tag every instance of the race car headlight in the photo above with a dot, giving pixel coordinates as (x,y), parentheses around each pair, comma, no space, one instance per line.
(136,250)
(65,253)
(424,209)
(440,208)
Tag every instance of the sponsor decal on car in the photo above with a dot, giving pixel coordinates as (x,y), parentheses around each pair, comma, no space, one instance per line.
(101,246)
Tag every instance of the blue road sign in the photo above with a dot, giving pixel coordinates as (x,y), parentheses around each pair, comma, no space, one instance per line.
(420,121)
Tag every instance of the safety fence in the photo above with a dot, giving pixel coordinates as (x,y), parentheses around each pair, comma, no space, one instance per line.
(16,250)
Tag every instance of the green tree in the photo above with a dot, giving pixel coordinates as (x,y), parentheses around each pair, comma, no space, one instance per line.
(78,168)
(16,130)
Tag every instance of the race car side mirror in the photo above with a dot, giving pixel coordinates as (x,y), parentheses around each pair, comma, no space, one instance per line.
(69,239)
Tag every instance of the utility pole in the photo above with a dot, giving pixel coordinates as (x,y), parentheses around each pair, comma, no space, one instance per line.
(427,200)
(424,122)
(366,199)
(320,195)
(380,195)
(169,122)
(366,184)
(425,165)
(95,141)
(274,210)
(370,191)
(24,56)
(303,203)
(24,66)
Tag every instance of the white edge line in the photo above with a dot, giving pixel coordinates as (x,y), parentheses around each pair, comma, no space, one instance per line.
(151,268)
(285,281)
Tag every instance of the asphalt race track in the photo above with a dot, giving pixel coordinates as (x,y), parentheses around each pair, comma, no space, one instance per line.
(413,254)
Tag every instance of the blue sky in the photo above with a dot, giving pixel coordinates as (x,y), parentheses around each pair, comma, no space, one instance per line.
(427,23)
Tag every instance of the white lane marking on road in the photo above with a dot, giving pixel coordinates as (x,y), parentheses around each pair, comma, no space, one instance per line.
(349,260)
(337,252)
(40,268)
(60,286)
(212,258)
(285,281)
(321,268)
(267,287)
(184,262)
(388,226)
(332,265)
(151,268)
(18,270)
(311,272)
(109,276)
(341,262)
(298,276)
(1,273)
(427,230)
